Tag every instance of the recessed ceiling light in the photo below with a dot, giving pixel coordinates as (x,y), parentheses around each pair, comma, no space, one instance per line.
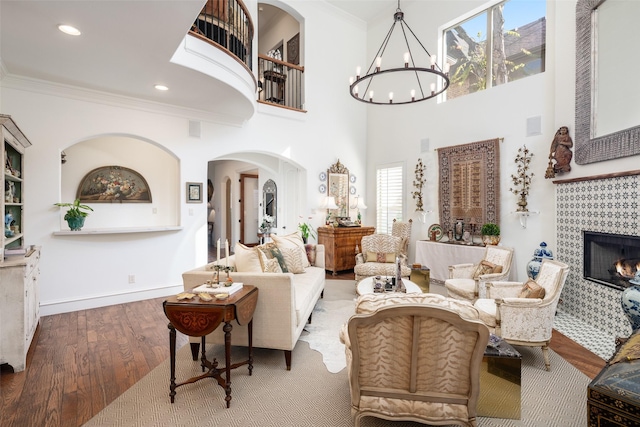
(68,29)
(161,87)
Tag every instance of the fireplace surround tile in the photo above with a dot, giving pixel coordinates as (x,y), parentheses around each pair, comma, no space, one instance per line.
(606,205)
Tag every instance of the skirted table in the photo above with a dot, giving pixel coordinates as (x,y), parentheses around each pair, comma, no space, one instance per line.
(439,256)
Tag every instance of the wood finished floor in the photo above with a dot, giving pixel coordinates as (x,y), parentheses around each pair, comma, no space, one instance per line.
(80,362)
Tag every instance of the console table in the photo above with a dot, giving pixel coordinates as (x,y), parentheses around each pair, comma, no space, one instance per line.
(340,246)
(197,318)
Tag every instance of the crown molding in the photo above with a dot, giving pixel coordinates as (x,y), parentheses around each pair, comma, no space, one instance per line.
(45,87)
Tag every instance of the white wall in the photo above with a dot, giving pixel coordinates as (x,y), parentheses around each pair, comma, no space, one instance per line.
(395,133)
(89,271)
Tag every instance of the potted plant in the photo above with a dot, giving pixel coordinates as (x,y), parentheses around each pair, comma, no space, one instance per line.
(76,214)
(306,230)
(490,233)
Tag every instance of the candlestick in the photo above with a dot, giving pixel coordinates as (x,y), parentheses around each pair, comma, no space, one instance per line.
(218,246)
(226,249)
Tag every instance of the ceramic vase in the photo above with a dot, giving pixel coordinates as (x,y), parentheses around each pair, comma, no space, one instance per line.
(533,267)
(490,239)
(458,229)
(630,300)
(75,224)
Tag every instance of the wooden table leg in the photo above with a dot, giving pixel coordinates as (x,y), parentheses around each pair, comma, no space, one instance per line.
(250,332)
(172,352)
(203,357)
(227,355)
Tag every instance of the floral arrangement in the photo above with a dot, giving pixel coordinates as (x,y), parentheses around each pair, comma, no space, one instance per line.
(418,183)
(522,180)
(267,222)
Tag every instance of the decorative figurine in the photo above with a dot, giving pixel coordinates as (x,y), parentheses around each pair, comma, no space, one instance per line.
(561,153)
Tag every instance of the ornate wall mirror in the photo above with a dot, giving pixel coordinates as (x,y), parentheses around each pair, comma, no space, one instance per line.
(607,111)
(269,200)
(338,187)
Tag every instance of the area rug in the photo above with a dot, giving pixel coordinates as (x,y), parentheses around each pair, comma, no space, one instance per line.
(310,395)
(322,333)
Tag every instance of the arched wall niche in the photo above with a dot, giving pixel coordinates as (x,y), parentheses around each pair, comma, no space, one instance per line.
(162,175)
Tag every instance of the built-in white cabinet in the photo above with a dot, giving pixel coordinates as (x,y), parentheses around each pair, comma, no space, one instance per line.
(19,300)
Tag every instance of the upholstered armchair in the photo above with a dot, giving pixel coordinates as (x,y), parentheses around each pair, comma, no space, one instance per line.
(403,231)
(523,313)
(467,281)
(414,357)
(378,257)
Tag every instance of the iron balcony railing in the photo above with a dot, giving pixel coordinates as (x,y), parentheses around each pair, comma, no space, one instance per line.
(280,83)
(227,23)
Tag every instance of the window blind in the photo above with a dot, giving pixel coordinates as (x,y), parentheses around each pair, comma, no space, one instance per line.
(389,200)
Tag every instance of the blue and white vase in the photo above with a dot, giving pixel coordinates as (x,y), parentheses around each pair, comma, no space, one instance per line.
(533,267)
(630,300)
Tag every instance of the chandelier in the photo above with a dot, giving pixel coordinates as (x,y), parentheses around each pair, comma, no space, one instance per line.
(408,82)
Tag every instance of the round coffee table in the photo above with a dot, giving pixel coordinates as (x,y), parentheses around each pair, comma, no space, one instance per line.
(365,286)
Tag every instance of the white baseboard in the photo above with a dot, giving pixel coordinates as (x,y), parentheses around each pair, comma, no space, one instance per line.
(66,306)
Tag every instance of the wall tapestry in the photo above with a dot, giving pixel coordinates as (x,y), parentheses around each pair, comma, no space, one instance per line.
(114,184)
(470,183)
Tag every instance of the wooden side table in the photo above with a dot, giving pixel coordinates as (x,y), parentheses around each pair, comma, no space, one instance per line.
(198,318)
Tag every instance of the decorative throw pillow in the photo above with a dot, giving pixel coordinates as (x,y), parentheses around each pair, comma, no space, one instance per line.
(293,261)
(292,241)
(380,257)
(247,259)
(266,249)
(272,266)
(311,253)
(532,290)
(486,267)
(277,254)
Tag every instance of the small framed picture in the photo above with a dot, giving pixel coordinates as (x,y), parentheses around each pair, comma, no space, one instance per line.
(194,192)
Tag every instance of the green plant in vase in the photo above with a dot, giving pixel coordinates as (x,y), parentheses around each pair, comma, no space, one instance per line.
(490,233)
(306,230)
(76,214)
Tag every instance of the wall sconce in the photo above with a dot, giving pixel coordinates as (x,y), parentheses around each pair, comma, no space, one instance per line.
(63,157)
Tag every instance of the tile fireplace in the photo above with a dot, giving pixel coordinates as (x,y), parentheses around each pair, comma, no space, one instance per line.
(597,226)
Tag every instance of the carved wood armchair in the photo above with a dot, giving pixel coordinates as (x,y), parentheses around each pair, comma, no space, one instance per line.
(520,320)
(467,281)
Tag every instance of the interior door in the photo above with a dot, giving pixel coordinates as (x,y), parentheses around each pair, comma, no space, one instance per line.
(249,203)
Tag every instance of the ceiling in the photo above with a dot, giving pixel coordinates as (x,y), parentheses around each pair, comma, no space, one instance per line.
(125,47)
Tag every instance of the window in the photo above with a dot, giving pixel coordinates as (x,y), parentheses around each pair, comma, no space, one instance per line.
(497,45)
(389,196)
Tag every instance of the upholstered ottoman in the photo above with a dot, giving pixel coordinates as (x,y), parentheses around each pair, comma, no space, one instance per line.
(613,397)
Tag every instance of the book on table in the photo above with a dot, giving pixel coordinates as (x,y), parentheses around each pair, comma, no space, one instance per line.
(221,289)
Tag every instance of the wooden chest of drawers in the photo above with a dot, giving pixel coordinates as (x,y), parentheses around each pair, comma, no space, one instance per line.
(340,246)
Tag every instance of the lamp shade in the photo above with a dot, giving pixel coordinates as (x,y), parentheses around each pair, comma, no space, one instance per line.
(212,216)
(359,204)
(329,202)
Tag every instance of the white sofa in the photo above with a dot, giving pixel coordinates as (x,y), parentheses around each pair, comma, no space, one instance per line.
(285,304)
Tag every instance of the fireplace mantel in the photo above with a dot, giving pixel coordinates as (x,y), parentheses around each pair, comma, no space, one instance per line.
(594,177)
